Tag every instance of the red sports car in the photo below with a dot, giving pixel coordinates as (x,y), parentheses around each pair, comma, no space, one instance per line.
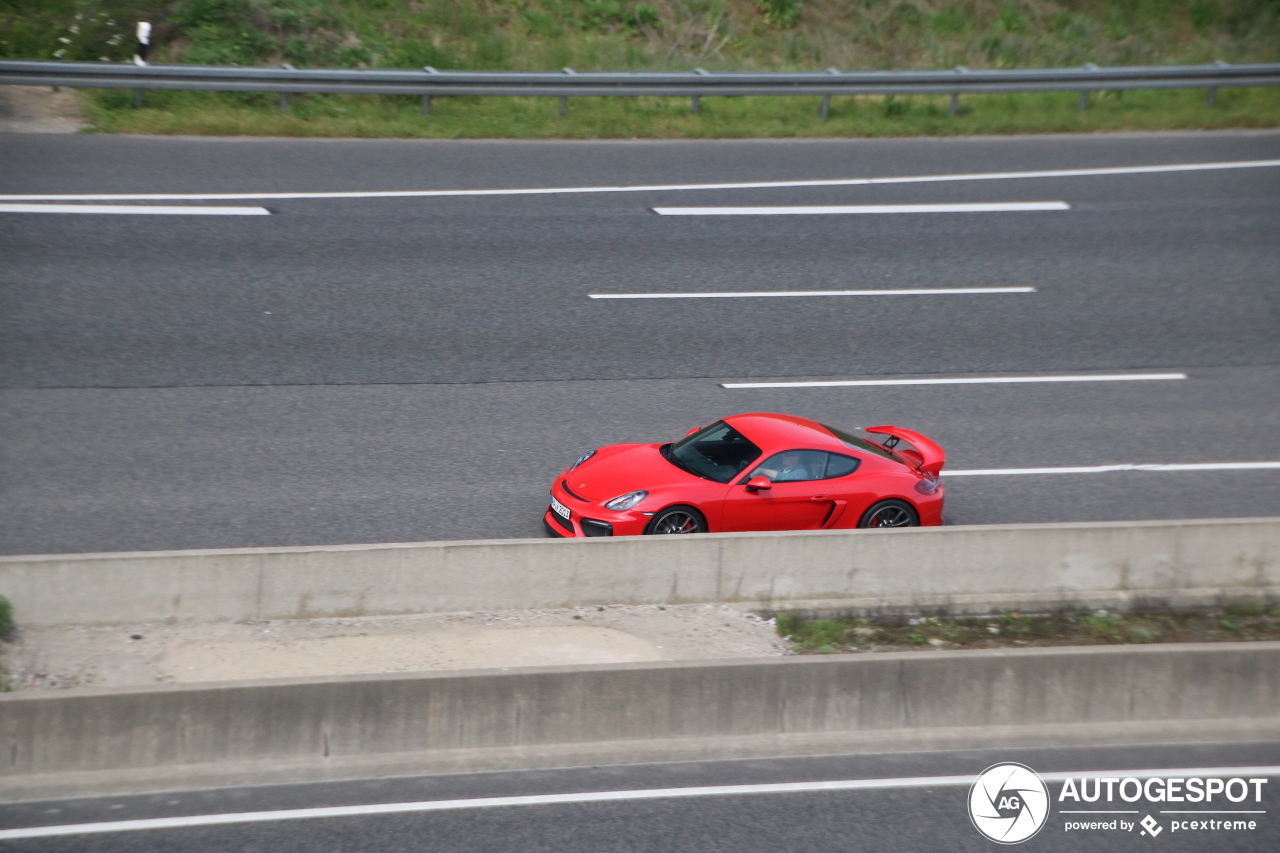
(752,472)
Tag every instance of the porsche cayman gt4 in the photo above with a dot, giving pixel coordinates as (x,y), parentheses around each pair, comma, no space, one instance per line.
(752,472)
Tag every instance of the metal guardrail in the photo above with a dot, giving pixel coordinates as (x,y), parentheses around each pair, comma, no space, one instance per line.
(428,82)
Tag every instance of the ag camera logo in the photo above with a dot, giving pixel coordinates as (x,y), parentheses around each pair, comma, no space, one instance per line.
(1008,803)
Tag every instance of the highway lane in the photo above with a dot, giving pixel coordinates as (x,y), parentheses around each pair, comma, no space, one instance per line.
(896,819)
(492,289)
(150,164)
(406,369)
(129,469)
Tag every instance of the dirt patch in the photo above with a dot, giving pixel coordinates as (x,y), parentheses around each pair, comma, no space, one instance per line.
(39,109)
(146,654)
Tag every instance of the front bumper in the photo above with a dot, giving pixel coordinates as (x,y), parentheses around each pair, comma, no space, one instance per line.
(588,519)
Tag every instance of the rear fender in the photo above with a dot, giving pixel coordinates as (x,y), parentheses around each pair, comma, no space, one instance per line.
(933,456)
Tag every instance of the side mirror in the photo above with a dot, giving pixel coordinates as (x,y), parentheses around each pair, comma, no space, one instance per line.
(759,484)
(692,431)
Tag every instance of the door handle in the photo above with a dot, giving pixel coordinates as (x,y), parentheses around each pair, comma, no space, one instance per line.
(819,498)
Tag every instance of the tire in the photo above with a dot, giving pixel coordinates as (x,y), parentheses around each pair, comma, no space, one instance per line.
(890,513)
(677,519)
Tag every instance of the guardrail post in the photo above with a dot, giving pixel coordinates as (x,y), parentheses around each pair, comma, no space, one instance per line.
(1084,93)
(826,99)
(697,99)
(955,96)
(1213,90)
(564,100)
(284,96)
(137,99)
(426,99)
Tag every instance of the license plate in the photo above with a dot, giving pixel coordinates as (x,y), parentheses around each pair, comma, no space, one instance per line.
(560,509)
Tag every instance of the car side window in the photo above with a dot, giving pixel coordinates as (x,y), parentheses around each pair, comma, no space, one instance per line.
(797,466)
(839,465)
(792,466)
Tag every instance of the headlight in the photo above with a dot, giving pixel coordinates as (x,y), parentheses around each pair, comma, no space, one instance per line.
(626,501)
(583,458)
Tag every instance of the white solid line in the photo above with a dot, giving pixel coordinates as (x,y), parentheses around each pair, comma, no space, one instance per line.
(597,797)
(974,380)
(756,185)
(1107,469)
(986,207)
(134,208)
(1214,811)
(754,293)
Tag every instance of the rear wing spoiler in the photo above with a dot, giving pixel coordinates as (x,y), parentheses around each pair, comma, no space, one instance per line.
(934,456)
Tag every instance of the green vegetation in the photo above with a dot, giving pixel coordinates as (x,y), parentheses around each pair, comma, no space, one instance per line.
(634,34)
(657,34)
(7,629)
(656,118)
(7,626)
(900,633)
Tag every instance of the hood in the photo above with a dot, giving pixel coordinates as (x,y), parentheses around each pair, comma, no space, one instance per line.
(621,468)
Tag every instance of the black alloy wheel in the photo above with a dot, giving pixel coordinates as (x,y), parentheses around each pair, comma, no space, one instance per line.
(677,519)
(890,513)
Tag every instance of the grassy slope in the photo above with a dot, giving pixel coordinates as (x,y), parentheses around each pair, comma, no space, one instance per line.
(655,118)
(623,34)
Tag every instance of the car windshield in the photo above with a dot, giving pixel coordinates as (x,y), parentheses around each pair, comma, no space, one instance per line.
(861,443)
(718,452)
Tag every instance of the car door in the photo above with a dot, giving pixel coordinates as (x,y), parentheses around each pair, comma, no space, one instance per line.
(795,500)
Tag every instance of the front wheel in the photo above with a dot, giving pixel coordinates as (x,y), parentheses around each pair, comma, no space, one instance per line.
(890,513)
(677,519)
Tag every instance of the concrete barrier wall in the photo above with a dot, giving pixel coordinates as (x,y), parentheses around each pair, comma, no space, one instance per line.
(616,714)
(973,569)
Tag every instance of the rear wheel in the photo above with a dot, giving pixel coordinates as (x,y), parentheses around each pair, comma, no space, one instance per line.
(890,513)
(677,519)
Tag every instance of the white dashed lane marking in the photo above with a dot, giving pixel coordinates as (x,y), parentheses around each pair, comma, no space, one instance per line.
(751,294)
(960,380)
(135,209)
(984,207)
(1108,469)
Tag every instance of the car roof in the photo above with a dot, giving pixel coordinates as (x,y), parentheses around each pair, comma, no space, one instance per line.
(772,432)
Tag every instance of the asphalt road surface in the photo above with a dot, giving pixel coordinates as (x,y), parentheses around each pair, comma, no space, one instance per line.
(926,819)
(374,369)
